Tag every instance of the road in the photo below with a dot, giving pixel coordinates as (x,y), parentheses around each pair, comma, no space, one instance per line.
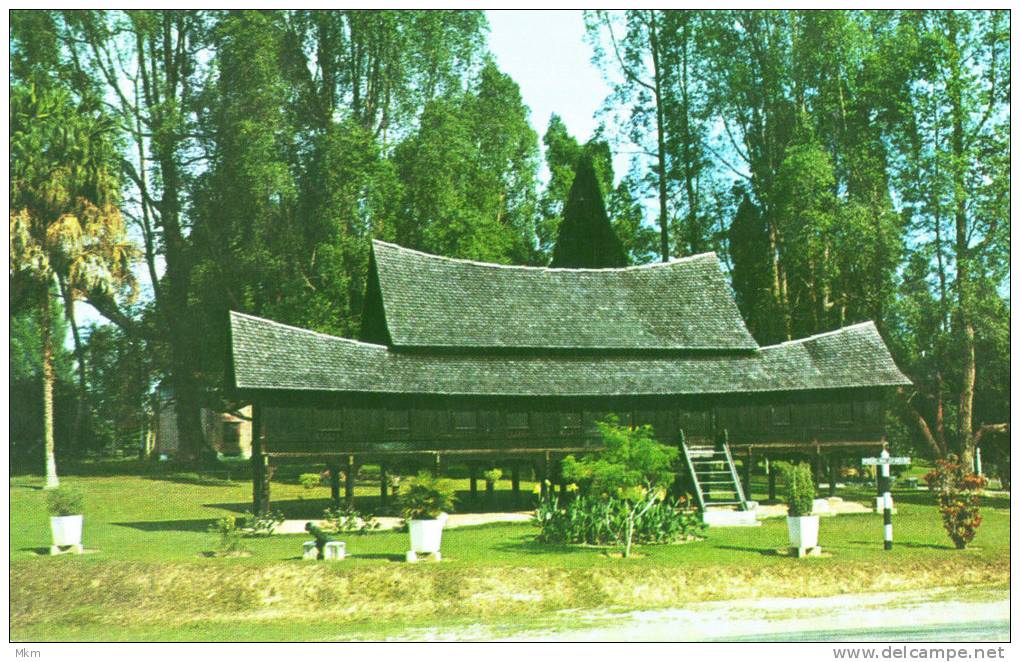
(929,615)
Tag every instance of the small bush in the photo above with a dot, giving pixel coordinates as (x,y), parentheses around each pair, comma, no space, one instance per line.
(229,535)
(262,524)
(957,493)
(310,481)
(64,501)
(604,521)
(492,475)
(800,489)
(348,519)
(425,497)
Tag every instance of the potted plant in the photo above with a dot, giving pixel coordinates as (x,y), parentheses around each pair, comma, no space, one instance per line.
(66,516)
(801,524)
(424,502)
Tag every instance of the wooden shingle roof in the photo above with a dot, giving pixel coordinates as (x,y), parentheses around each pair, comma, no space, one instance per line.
(272,356)
(430,301)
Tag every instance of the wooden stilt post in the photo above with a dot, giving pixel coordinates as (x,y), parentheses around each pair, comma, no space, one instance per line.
(515,481)
(544,475)
(473,474)
(267,476)
(334,485)
(833,472)
(818,465)
(259,461)
(438,466)
(384,493)
(748,464)
(349,481)
(772,479)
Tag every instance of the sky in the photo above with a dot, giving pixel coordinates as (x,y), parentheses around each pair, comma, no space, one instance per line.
(546,54)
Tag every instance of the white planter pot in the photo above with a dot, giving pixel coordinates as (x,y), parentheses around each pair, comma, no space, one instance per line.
(426,534)
(66,530)
(803,531)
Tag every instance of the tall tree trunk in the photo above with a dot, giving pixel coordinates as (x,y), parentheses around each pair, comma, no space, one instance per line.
(46,328)
(966,325)
(660,125)
(82,406)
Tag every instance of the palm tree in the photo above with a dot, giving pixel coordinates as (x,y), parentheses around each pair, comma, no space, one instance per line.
(64,220)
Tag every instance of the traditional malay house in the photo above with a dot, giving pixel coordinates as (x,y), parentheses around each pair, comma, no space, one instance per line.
(508,365)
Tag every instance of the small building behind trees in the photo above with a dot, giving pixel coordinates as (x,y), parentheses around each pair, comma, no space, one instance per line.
(504,364)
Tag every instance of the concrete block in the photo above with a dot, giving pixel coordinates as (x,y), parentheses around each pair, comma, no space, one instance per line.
(310,551)
(335,550)
(721,518)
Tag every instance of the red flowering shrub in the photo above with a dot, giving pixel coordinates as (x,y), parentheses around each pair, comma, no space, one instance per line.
(957,492)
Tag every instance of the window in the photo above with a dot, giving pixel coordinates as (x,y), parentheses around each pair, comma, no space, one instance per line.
(231,438)
(329,424)
(570,422)
(842,413)
(780,414)
(465,420)
(397,420)
(518,421)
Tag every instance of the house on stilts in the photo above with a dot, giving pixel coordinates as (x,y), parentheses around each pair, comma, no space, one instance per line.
(507,365)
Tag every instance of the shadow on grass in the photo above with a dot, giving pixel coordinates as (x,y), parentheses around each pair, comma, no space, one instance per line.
(530,545)
(768,551)
(395,558)
(184,525)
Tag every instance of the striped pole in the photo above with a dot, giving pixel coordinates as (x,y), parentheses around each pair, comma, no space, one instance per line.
(887,498)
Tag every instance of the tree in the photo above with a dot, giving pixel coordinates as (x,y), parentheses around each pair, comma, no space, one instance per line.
(639,55)
(954,103)
(469,175)
(64,222)
(585,238)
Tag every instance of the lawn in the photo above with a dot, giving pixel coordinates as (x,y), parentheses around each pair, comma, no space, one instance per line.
(150,532)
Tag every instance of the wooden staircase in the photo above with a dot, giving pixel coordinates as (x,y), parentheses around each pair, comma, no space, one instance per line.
(713,476)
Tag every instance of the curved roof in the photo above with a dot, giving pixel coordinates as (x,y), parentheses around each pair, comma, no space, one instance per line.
(430,301)
(272,356)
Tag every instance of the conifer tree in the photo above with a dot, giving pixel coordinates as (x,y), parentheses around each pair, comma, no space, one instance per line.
(586,239)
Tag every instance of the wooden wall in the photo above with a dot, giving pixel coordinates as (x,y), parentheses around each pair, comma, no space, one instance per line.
(379,424)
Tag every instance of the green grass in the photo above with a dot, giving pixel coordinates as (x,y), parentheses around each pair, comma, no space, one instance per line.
(149,533)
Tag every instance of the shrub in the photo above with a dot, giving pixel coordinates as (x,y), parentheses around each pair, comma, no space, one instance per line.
(229,535)
(262,524)
(492,475)
(347,519)
(800,489)
(64,501)
(598,520)
(425,497)
(632,458)
(957,493)
(310,481)
(632,472)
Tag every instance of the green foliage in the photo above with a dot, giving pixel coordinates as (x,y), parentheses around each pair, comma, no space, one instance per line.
(632,459)
(426,496)
(348,519)
(492,475)
(957,493)
(599,520)
(229,535)
(310,481)
(64,501)
(262,524)
(799,488)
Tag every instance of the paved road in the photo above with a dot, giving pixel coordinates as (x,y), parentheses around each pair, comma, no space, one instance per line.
(953,632)
(930,615)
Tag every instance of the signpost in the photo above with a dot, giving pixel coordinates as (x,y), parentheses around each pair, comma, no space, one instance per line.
(885,486)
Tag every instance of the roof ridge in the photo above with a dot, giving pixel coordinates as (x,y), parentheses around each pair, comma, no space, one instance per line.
(816,336)
(478,263)
(264,320)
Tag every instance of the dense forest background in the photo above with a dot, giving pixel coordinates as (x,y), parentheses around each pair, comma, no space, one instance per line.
(847,165)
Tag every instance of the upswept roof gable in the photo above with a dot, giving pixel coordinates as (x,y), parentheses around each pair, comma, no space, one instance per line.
(272,356)
(437,302)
